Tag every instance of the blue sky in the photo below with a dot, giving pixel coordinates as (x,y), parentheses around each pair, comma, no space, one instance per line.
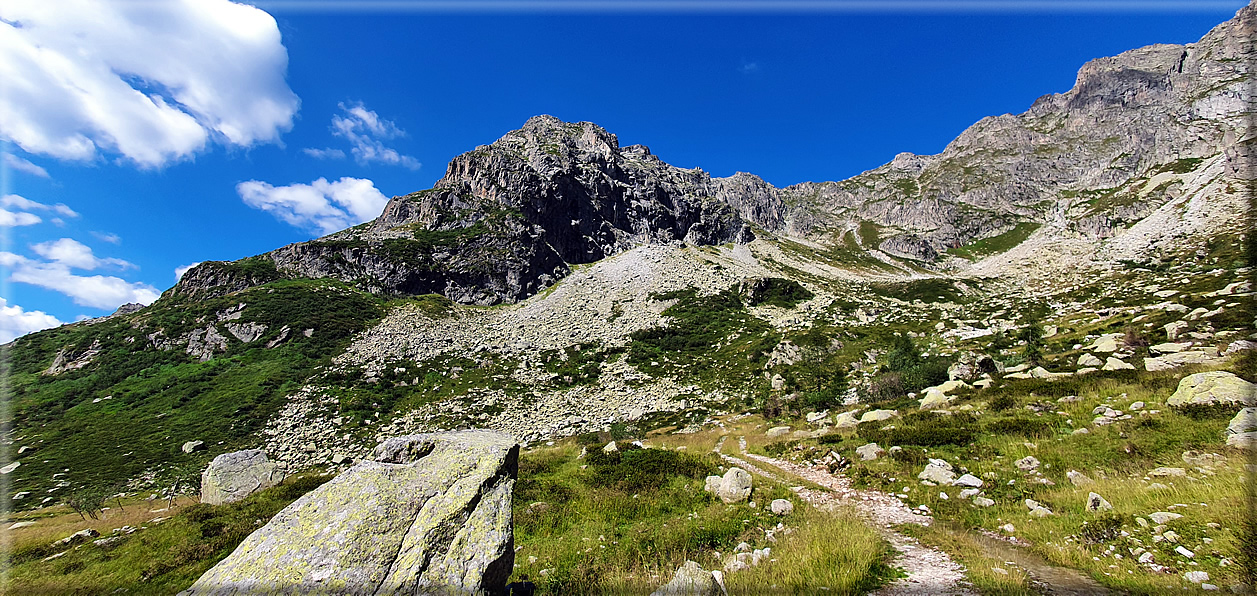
(143,137)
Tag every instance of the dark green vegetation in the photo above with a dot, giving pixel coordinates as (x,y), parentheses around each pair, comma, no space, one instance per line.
(136,404)
(705,334)
(162,559)
(776,291)
(906,371)
(996,244)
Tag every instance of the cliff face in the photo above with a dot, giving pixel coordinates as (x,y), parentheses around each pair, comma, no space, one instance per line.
(508,219)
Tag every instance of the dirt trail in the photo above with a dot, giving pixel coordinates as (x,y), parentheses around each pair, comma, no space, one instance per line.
(930,571)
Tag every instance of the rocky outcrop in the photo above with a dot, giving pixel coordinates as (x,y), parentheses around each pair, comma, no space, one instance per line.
(691,579)
(430,515)
(69,358)
(234,476)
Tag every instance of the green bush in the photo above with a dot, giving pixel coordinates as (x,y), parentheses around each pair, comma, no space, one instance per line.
(925,429)
(1026,427)
(634,469)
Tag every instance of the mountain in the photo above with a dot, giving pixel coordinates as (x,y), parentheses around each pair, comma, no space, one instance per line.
(554,282)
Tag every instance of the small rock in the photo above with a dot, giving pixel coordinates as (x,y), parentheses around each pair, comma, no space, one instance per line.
(870,452)
(1163,517)
(781,507)
(1097,503)
(968,480)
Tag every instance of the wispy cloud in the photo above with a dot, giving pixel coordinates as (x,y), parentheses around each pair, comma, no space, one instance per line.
(749,67)
(320,206)
(25,204)
(108,237)
(22,165)
(366,133)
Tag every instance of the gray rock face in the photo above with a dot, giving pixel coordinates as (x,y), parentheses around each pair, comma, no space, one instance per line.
(690,579)
(234,476)
(430,515)
(508,219)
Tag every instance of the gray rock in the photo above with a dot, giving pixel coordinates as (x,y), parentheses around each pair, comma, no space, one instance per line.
(610,448)
(937,471)
(1028,463)
(234,476)
(1163,517)
(1089,360)
(1241,432)
(191,446)
(968,481)
(1214,387)
(735,486)
(778,431)
(430,514)
(781,507)
(690,579)
(869,452)
(1097,503)
(1078,478)
(878,415)
(983,502)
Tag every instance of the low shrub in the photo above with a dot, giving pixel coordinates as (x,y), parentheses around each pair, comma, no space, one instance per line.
(925,429)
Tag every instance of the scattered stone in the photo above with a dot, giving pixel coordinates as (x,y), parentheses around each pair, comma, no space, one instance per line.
(1166,472)
(1183,551)
(968,481)
(690,579)
(610,448)
(937,471)
(781,507)
(21,524)
(1163,517)
(1097,503)
(1116,364)
(8,469)
(735,486)
(1028,463)
(1089,360)
(878,415)
(192,446)
(1241,432)
(777,431)
(1078,478)
(869,452)
(1172,330)
(983,502)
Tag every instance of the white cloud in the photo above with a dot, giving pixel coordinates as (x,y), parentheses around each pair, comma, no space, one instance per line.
(10,219)
(24,203)
(324,153)
(16,322)
(108,237)
(22,165)
(366,133)
(97,291)
(321,206)
(179,271)
(72,253)
(150,81)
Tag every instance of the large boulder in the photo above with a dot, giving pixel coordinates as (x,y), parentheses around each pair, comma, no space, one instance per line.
(431,514)
(1212,388)
(734,487)
(1242,431)
(234,476)
(690,579)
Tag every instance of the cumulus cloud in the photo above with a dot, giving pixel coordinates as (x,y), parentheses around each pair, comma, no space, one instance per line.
(25,204)
(9,219)
(72,253)
(321,206)
(366,132)
(96,291)
(149,81)
(16,322)
(179,271)
(22,165)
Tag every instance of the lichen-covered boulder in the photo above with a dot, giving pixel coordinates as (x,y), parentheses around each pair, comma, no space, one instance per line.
(429,514)
(1211,388)
(234,476)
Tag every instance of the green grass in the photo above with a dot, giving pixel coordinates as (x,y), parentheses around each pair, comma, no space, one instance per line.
(162,559)
(996,244)
(131,409)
